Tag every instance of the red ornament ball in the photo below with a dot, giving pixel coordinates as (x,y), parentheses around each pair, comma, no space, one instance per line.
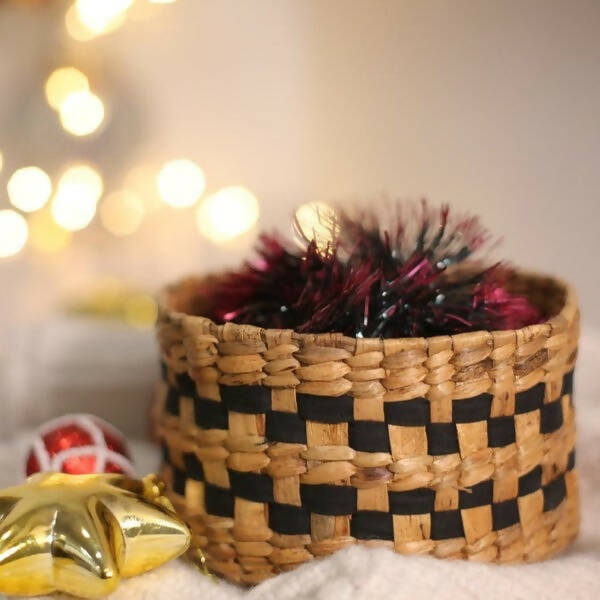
(79,445)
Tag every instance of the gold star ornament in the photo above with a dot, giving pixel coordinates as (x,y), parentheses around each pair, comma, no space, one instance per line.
(80,534)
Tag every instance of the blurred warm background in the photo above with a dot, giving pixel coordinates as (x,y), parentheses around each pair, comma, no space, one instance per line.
(144,139)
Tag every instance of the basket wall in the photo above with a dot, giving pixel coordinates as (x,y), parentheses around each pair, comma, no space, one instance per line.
(280,447)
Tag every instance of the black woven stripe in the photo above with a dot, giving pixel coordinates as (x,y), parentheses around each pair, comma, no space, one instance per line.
(505,514)
(410,412)
(530,482)
(289,520)
(249,399)
(218,500)
(571,461)
(285,427)
(325,499)
(210,414)
(530,399)
(478,495)
(446,524)
(442,438)
(325,409)
(251,486)
(412,502)
(554,493)
(172,403)
(501,431)
(369,436)
(372,525)
(186,385)
(193,467)
(551,417)
(471,410)
(179,480)
(567,386)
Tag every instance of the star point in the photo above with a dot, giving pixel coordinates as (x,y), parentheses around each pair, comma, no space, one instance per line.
(80,534)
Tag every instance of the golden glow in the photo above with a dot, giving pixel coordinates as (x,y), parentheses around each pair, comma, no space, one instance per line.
(75,28)
(140,311)
(105,299)
(111,298)
(316,220)
(63,82)
(227,213)
(1,162)
(45,235)
(102,16)
(180,183)
(161,1)
(81,113)
(121,213)
(13,232)
(77,194)
(29,188)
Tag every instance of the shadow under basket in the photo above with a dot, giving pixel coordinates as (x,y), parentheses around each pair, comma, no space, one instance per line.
(280,447)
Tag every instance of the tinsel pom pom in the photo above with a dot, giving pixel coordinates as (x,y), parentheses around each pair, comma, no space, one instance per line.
(414,272)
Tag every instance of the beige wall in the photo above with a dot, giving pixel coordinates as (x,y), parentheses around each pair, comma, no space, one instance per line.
(488,105)
(492,106)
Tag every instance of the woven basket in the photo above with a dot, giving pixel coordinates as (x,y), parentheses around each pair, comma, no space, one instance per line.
(280,447)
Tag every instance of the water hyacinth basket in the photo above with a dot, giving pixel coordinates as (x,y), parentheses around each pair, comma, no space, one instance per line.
(281,447)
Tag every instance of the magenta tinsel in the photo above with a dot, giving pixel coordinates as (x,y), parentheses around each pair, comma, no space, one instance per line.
(413,272)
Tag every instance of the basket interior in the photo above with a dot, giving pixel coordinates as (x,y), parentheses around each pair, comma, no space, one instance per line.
(546,293)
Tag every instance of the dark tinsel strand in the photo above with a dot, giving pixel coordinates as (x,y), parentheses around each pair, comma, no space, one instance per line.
(414,277)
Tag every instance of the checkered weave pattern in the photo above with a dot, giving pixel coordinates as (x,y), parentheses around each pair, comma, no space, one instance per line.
(280,447)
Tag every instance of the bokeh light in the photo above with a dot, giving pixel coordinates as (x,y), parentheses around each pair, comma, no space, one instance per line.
(63,82)
(316,220)
(44,233)
(103,299)
(81,113)
(110,298)
(75,28)
(140,311)
(121,213)
(77,194)
(141,181)
(29,189)
(13,232)
(228,213)
(180,183)
(90,18)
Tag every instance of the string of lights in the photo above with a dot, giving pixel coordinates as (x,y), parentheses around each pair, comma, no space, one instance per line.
(48,206)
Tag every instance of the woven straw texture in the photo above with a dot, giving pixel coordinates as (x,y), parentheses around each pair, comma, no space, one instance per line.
(280,447)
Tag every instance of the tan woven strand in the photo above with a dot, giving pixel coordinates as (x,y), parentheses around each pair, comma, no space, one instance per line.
(518,456)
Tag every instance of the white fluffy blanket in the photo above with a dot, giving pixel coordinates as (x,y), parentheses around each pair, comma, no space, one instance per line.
(358,572)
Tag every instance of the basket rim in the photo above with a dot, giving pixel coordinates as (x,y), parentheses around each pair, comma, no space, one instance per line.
(558,322)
